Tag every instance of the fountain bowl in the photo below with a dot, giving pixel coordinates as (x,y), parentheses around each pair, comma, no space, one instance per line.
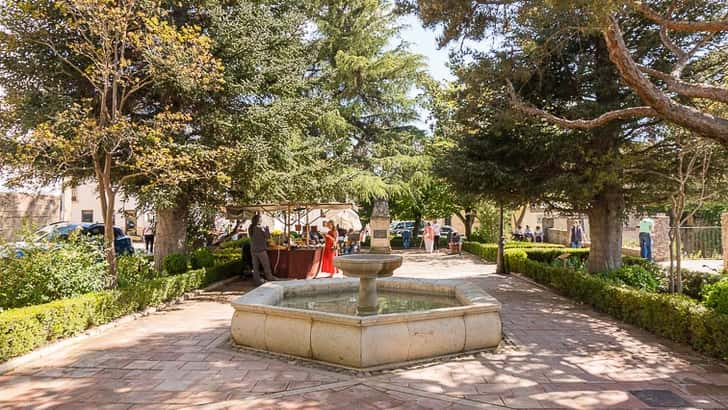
(366,342)
(362,265)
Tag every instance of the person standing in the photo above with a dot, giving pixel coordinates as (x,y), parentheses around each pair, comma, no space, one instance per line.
(436,240)
(406,238)
(646,226)
(148,234)
(528,234)
(428,234)
(331,237)
(259,236)
(577,235)
(538,234)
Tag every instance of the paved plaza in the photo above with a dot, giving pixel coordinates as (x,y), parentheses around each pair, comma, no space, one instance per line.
(557,354)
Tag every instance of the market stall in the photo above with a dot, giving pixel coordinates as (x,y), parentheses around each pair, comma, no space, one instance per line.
(295,252)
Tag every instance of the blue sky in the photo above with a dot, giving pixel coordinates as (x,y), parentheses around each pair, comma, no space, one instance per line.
(423,41)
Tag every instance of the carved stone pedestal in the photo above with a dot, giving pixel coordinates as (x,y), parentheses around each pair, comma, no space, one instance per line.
(380,227)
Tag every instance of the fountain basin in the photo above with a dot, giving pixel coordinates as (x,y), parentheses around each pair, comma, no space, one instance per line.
(259,322)
(368,267)
(363,265)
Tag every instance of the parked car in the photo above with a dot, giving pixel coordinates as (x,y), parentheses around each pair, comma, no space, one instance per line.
(60,231)
(397,227)
(445,231)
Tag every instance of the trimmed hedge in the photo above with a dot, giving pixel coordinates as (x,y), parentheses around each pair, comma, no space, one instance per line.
(545,253)
(25,329)
(175,263)
(676,317)
(202,258)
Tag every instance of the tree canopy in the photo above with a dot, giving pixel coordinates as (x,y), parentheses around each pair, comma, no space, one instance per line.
(679,78)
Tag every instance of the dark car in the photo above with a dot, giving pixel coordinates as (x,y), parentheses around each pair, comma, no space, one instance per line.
(61,231)
(122,243)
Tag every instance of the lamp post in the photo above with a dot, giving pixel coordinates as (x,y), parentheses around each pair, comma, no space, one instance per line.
(500,258)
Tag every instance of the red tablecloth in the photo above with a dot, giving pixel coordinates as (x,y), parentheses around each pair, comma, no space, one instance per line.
(296,263)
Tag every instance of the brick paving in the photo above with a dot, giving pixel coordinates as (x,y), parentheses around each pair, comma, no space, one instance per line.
(557,355)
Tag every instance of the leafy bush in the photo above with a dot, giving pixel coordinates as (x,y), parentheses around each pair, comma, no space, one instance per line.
(227,255)
(238,243)
(51,271)
(544,252)
(175,264)
(676,317)
(576,262)
(202,258)
(636,276)
(135,268)
(694,282)
(716,296)
(24,329)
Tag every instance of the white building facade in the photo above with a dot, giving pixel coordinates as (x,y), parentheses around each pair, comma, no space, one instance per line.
(81,204)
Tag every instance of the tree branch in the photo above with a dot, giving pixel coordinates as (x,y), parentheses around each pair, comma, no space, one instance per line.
(623,114)
(687,89)
(710,26)
(691,118)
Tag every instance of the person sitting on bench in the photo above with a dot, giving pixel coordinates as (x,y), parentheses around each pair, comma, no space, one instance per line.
(455,246)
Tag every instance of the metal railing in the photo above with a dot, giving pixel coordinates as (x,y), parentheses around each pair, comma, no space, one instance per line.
(701,242)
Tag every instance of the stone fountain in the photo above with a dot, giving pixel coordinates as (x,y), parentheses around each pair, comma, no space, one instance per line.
(368,267)
(369,320)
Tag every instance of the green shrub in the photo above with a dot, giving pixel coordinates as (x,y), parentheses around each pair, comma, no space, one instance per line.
(24,329)
(227,255)
(135,268)
(675,317)
(636,276)
(716,296)
(238,243)
(51,271)
(175,264)
(694,282)
(202,258)
(547,255)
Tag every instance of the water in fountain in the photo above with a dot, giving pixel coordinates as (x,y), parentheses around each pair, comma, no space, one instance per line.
(388,302)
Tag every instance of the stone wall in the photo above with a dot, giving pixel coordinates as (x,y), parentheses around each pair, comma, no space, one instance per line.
(661,238)
(18,210)
(560,236)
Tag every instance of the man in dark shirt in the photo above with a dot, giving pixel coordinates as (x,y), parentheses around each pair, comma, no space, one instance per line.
(258,243)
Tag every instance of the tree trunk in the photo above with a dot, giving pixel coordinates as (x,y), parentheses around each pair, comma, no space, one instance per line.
(468,220)
(605,222)
(671,271)
(107,198)
(416,230)
(109,238)
(171,234)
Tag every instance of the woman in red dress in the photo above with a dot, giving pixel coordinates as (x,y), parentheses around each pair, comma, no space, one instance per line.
(327,264)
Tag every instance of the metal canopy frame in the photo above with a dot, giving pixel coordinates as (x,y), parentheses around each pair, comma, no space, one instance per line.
(242,212)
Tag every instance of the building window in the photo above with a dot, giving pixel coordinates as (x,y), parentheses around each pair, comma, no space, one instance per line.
(87,216)
(74,194)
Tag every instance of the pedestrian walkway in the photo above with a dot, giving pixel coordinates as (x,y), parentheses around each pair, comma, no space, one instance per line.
(556,354)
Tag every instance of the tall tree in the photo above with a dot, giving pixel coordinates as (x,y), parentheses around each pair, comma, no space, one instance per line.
(370,80)
(684,86)
(249,137)
(108,54)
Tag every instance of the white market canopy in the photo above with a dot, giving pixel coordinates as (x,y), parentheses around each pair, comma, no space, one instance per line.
(246,211)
